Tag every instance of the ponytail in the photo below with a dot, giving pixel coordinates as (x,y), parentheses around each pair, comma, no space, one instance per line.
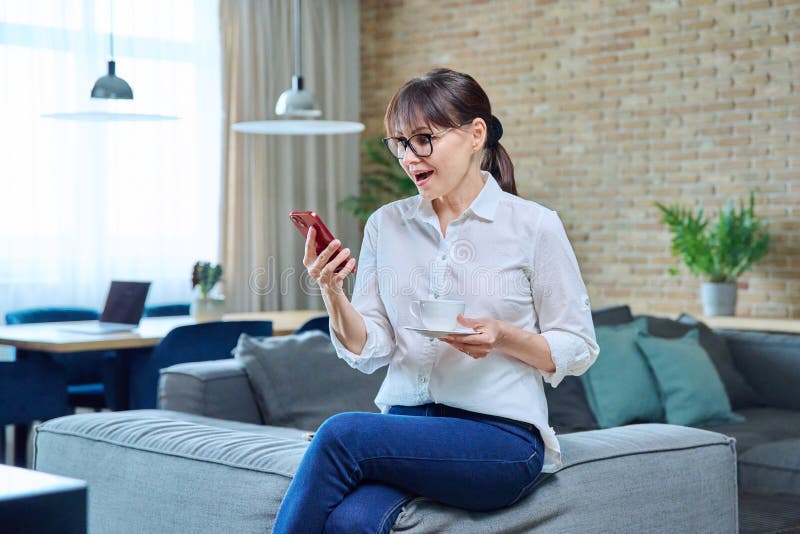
(495,158)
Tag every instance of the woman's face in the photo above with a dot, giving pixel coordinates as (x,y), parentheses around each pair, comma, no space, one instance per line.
(443,171)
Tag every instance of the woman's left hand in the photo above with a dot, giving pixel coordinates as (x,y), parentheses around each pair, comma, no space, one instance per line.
(487,336)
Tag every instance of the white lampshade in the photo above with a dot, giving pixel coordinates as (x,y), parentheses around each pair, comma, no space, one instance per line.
(298,127)
(107,116)
(297,103)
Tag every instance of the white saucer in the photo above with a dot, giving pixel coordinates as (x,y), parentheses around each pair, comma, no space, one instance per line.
(441,333)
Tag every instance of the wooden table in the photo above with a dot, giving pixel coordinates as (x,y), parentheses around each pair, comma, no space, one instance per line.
(759,324)
(51,337)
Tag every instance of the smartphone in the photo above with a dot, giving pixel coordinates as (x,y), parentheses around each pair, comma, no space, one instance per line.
(303,220)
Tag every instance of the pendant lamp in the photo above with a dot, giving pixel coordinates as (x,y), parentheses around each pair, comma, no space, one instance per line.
(297,106)
(110,87)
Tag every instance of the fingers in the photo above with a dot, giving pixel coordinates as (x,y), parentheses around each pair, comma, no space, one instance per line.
(466,321)
(310,251)
(316,266)
(347,269)
(333,264)
(476,339)
(326,254)
(472,350)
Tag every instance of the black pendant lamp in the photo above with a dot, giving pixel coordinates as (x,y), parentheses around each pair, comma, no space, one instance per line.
(111,85)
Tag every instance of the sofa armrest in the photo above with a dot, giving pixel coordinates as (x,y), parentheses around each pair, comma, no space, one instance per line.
(163,471)
(770,362)
(217,388)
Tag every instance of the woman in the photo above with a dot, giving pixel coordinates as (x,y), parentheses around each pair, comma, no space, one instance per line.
(464,418)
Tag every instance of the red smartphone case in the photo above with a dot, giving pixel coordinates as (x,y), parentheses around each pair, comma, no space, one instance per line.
(303,220)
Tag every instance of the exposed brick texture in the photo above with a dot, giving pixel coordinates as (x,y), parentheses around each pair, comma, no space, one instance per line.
(609,106)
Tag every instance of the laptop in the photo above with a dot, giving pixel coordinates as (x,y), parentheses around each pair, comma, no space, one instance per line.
(122,312)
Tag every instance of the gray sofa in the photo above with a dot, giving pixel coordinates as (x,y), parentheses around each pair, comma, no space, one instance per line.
(172,471)
(208,461)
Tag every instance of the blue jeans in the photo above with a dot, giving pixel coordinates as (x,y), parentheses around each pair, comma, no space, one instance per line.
(362,468)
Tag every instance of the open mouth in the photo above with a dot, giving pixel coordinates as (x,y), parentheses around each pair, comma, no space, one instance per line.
(422,177)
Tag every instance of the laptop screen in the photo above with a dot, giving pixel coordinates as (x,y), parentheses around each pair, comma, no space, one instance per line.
(125,302)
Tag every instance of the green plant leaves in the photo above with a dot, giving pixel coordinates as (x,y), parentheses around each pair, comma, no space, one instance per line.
(384,182)
(206,275)
(721,252)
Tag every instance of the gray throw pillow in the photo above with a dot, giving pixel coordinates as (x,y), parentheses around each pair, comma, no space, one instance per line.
(299,381)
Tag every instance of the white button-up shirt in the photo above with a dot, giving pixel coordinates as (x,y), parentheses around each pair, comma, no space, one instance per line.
(506,258)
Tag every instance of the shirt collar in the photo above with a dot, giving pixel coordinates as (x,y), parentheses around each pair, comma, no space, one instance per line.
(484,205)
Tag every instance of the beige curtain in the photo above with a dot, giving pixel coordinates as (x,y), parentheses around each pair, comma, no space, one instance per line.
(266,177)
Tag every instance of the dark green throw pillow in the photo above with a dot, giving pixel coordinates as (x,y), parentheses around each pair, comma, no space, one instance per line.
(740,393)
(620,386)
(690,387)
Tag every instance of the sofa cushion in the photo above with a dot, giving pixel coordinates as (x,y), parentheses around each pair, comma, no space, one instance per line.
(299,381)
(568,408)
(740,393)
(612,315)
(216,388)
(771,467)
(642,466)
(770,362)
(691,390)
(762,425)
(620,387)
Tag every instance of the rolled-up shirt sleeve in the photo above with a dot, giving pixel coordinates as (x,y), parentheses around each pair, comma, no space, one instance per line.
(367,301)
(561,302)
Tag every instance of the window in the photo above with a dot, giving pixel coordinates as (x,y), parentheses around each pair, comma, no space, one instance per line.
(82,203)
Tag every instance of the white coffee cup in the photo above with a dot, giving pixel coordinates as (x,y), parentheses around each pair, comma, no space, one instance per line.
(437,314)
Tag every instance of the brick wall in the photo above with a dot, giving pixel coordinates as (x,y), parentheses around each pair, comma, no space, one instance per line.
(609,106)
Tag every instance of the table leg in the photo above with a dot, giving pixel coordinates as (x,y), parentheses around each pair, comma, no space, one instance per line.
(21,433)
(122,375)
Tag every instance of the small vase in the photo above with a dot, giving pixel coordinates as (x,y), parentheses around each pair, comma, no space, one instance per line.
(718,299)
(208,309)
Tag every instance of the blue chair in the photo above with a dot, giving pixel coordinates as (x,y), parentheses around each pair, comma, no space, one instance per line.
(86,371)
(190,343)
(33,387)
(166,310)
(316,323)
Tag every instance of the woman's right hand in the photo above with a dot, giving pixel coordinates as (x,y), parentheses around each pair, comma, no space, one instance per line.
(321,268)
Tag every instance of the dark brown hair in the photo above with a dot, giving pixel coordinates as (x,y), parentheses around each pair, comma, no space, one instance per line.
(447,99)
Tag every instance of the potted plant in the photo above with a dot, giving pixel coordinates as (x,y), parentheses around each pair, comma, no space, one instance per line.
(720,253)
(205,306)
(383,182)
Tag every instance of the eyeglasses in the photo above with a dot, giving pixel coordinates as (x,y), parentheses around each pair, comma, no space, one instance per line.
(420,144)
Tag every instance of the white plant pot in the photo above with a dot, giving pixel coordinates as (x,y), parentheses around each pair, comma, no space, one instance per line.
(208,309)
(718,299)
